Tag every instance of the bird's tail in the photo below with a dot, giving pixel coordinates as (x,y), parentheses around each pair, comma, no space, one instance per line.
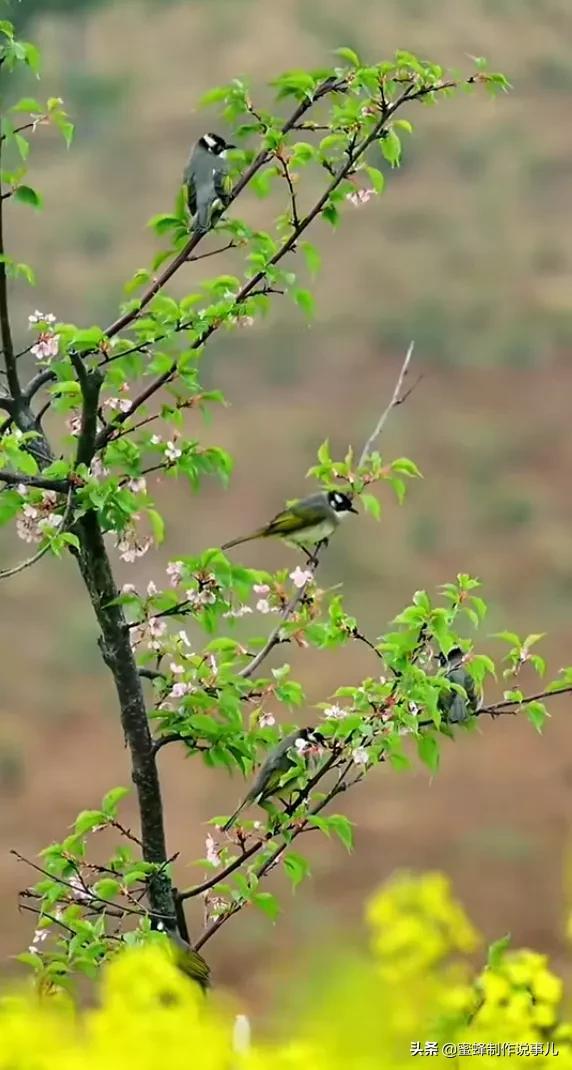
(242,538)
(234,816)
(201,222)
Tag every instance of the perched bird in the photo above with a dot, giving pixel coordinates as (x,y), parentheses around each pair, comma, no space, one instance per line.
(206,178)
(187,960)
(305,522)
(271,779)
(452,703)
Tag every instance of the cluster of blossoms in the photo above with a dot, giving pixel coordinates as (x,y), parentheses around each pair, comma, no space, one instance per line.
(360,196)
(35,520)
(47,344)
(130,544)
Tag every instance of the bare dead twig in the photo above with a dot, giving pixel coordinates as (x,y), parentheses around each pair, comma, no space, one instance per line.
(397,398)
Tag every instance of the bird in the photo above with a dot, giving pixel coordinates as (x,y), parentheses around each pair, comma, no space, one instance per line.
(206,177)
(186,959)
(452,703)
(282,759)
(306,522)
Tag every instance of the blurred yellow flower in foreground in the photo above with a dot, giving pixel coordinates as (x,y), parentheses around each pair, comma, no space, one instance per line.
(414,993)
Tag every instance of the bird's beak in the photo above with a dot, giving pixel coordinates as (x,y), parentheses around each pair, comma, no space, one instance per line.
(352,510)
(230,146)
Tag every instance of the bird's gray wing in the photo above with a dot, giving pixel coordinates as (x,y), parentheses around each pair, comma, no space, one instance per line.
(222,182)
(189,180)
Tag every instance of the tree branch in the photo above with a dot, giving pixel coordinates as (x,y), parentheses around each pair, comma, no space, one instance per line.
(90,383)
(118,656)
(12,479)
(397,398)
(5,330)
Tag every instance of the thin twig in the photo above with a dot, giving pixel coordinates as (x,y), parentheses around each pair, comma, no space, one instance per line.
(397,399)
(213,252)
(288,177)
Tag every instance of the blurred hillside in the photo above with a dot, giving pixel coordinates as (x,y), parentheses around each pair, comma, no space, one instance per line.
(469,252)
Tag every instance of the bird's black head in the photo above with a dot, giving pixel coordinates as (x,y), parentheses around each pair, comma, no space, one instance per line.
(340,503)
(314,740)
(214,144)
(454,657)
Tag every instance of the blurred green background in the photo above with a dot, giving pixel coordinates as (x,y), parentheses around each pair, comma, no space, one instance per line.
(469,252)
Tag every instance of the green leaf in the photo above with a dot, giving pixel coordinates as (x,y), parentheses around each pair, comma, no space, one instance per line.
(371,505)
(112,798)
(305,301)
(537,714)
(342,827)
(67,388)
(266,902)
(106,888)
(407,467)
(215,95)
(428,751)
(23,146)
(27,195)
(496,951)
(377,178)
(163,223)
(296,867)
(158,525)
(391,148)
(87,820)
(313,258)
(349,55)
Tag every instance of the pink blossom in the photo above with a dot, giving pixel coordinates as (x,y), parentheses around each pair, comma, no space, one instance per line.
(180,688)
(117,404)
(156,627)
(198,599)
(244,321)
(241,611)
(138,485)
(182,635)
(335,713)
(360,196)
(266,720)
(261,588)
(151,589)
(129,588)
(46,346)
(172,452)
(301,576)
(155,440)
(360,756)
(176,669)
(130,546)
(22,490)
(39,936)
(52,520)
(263,606)
(97,468)
(27,524)
(212,851)
(174,571)
(41,317)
